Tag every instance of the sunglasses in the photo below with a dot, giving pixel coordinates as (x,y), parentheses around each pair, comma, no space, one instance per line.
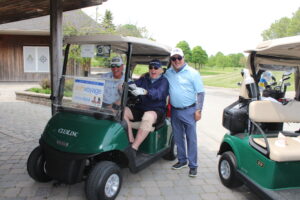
(153,67)
(176,58)
(113,66)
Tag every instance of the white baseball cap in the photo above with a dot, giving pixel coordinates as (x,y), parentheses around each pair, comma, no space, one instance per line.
(176,51)
(116,61)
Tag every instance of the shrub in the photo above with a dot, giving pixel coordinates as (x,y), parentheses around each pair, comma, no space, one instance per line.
(45,83)
(69,85)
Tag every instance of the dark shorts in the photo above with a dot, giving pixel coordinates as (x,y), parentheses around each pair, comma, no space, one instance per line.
(138,114)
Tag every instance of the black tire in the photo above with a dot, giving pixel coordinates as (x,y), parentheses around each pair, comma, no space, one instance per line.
(172,154)
(227,170)
(36,166)
(102,174)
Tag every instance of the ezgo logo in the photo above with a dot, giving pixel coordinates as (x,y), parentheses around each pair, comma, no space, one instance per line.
(67,132)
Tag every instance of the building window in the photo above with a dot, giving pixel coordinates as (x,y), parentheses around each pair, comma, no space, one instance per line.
(36,59)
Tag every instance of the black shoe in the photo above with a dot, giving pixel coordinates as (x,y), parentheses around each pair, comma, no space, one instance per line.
(131,152)
(179,165)
(193,172)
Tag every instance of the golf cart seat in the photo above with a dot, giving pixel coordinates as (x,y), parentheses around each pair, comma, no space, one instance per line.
(270,111)
(284,148)
(281,150)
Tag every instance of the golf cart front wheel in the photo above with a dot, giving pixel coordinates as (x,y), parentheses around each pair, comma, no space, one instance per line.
(36,166)
(227,170)
(104,181)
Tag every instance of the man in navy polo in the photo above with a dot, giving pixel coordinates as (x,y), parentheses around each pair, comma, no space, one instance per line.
(187,95)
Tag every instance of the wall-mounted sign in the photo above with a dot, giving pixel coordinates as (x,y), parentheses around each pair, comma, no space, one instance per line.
(36,58)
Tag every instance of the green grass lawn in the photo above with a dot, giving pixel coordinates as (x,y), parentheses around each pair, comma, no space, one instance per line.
(221,77)
(226,80)
(229,77)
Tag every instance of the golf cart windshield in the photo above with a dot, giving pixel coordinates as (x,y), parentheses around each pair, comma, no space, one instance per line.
(90,83)
(97,69)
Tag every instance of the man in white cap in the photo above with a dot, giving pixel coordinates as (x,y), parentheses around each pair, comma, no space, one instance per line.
(186,95)
(113,84)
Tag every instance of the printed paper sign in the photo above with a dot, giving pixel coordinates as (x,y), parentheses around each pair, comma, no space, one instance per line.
(103,50)
(87,50)
(88,92)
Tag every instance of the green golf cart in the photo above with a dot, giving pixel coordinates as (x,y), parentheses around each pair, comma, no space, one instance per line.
(86,140)
(262,147)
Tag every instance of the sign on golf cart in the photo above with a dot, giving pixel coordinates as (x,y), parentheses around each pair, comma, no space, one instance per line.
(103,50)
(88,92)
(87,50)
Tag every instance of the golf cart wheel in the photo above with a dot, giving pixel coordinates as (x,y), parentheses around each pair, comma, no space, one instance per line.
(36,166)
(172,154)
(227,170)
(104,181)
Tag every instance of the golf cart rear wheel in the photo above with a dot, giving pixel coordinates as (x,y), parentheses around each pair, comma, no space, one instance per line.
(172,154)
(227,170)
(36,166)
(104,181)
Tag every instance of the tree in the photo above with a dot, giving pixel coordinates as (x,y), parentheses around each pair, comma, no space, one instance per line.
(235,60)
(220,60)
(283,27)
(211,61)
(277,30)
(199,56)
(294,26)
(133,30)
(243,61)
(186,50)
(232,60)
(107,22)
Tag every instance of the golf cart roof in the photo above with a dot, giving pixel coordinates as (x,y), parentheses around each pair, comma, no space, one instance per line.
(143,50)
(281,54)
(282,51)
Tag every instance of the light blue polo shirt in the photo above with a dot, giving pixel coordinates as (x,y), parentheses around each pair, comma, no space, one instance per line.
(184,86)
(111,93)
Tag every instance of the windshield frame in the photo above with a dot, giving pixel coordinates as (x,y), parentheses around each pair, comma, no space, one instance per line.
(95,113)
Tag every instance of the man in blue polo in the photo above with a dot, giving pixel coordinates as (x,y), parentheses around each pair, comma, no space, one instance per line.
(113,83)
(187,95)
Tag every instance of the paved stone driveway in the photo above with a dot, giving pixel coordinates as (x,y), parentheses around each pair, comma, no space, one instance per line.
(21,124)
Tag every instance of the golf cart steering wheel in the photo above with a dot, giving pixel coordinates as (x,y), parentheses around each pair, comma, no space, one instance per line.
(131,99)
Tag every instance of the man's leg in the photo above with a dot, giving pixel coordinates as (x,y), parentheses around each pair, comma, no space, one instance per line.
(191,135)
(192,144)
(179,132)
(149,118)
(127,117)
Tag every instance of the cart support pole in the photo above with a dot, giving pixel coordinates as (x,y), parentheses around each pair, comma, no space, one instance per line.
(125,85)
(56,10)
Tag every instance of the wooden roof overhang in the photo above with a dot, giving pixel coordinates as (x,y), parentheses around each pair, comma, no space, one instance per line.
(16,10)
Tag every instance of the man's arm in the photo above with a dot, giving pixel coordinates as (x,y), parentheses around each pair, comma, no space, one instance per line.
(199,105)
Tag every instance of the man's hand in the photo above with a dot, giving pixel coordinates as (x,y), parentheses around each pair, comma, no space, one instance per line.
(198,115)
(132,86)
(139,91)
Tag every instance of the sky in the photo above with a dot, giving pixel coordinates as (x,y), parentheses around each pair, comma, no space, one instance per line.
(230,26)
